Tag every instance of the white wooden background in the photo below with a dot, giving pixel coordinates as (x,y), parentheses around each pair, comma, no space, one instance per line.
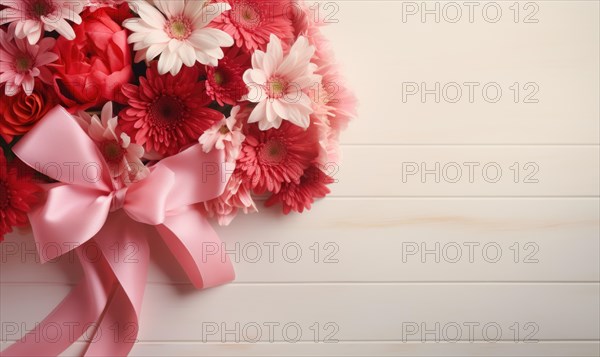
(367,286)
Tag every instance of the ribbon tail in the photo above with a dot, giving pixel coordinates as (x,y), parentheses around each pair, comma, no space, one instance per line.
(198,249)
(77,312)
(124,247)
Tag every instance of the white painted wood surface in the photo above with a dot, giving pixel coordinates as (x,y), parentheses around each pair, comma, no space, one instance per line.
(392,254)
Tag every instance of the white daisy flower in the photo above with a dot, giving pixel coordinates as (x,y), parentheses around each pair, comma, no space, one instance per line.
(177,32)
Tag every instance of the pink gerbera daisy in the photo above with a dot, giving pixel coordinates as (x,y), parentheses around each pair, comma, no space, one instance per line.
(122,156)
(166,112)
(270,158)
(29,18)
(299,196)
(235,198)
(21,63)
(224,83)
(17,195)
(251,22)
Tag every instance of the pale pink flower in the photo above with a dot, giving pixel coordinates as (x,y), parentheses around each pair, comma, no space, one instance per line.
(235,198)
(98,4)
(278,83)
(122,156)
(225,135)
(21,63)
(29,18)
(178,33)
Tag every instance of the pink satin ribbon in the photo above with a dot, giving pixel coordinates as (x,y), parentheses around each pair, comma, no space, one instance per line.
(86,211)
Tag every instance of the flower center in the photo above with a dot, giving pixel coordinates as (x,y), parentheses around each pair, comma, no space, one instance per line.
(23,63)
(113,152)
(224,130)
(166,111)
(247,15)
(39,8)
(4,195)
(219,77)
(273,152)
(179,28)
(276,87)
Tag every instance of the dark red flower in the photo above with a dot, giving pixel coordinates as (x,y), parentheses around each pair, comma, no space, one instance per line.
(166,113)
(17,195)
(225,83)
(299,196)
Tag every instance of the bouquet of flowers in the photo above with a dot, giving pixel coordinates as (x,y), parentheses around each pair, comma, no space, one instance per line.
(188,109)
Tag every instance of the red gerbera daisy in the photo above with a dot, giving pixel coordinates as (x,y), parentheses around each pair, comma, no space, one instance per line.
(225,83)
(300,196)
(167,113)
(251,22)
(270,158)
(17,195)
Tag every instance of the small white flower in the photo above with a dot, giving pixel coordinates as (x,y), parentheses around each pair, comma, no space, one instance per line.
(177,33)
(29,18)
(225,135)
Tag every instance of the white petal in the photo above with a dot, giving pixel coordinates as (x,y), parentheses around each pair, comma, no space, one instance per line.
(166,62)
(258,76)
(193,8)
(149,14)
(61,26)
(258,59)
(176,65)
(138,25)
(271,114)
(107,113)
(34,36)
(174,45)
(201,40)
(258,113)
(155,50)
(171,8)
(187,54)
(222,37)
(155,36)
(203,57)
(137,37)
(126,140)
(70,15)
(274,50)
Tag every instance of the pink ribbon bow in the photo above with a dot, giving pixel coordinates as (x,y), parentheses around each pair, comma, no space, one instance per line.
(87,212)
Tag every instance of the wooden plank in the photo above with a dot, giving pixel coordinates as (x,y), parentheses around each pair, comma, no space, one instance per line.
(355,349)
(392,240)
(559,55)
(344,312)
(450,171)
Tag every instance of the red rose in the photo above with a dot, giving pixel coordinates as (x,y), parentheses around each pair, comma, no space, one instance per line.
(19,113)
(92,67)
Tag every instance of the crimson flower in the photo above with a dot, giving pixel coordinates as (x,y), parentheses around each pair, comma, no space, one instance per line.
(17,195)
(166,113)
